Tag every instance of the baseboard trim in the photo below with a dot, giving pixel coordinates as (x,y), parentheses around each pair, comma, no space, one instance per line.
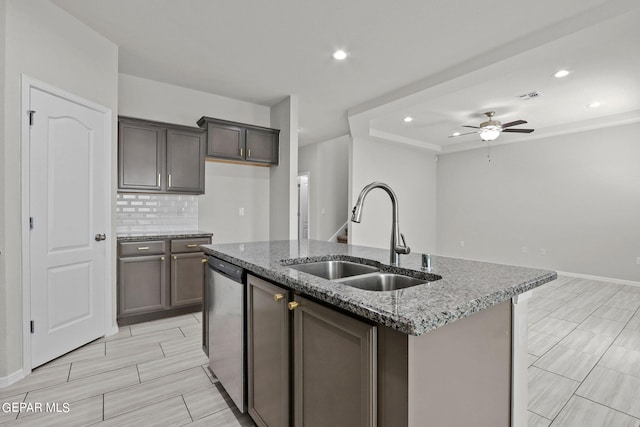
(599,278)
(10,379)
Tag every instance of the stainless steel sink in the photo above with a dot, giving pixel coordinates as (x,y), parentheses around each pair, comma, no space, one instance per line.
(333,270)
(382,281)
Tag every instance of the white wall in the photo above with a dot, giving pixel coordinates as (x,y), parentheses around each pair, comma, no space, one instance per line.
(577,196)
(50,45)
(228,187)
(283,204)
(328,165)
(411,173)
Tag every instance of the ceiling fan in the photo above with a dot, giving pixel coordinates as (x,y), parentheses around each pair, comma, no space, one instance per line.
(491,129)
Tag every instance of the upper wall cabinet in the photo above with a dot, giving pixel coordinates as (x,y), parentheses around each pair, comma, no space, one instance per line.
(241,142)
(160,157)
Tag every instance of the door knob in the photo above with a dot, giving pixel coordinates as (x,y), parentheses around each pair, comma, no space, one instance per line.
(100,237)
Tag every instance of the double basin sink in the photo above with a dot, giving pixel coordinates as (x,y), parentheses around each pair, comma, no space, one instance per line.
(363,276)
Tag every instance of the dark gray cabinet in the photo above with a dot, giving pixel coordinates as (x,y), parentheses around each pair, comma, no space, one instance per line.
(150,287)
(142,283)
(240,142)
(160,157)
(333,366)
(267,353)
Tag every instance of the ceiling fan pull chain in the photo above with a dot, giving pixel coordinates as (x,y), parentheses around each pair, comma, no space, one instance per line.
(489,152)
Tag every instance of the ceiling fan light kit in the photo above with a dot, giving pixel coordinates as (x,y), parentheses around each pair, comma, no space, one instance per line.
(491,129)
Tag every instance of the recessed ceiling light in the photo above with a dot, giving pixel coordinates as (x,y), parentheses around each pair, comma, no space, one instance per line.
(594,104)
(561,73)
(408,119)
(339,55)
(456,134)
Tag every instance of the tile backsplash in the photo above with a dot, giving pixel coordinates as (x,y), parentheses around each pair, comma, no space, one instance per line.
(156,213)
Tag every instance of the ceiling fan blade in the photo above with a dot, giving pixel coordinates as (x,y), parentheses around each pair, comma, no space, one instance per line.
(516,123)
(518,130)
(472,127)
(468,133)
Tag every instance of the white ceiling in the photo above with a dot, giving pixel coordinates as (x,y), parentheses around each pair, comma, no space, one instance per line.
(442,62)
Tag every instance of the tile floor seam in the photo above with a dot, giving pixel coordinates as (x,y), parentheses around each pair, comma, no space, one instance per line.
(187,406)
(69,373)
(560,375)
(606,406)
(541,416)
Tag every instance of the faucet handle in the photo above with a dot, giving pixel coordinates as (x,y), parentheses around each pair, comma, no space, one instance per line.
(402,249)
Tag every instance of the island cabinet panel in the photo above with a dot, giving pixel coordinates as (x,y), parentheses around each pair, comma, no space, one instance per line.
(268,353)
(334,368)
(331,378)
(458,374)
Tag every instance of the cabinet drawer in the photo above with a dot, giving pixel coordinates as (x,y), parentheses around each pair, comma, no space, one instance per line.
(188,245)
(152,247)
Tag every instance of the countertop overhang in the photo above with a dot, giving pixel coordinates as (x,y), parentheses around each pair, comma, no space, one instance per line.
(161,235)
(466,286)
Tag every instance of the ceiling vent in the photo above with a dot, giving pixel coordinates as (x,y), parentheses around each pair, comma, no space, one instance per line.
(530,95)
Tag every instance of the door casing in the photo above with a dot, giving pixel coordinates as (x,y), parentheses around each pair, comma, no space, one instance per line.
(27,83)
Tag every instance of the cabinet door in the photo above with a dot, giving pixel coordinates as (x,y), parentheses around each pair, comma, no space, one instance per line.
(141,151)
(185,160)
(141,284)
(226,141)
(262,146)
(267,353)
(187,278)
(334,368)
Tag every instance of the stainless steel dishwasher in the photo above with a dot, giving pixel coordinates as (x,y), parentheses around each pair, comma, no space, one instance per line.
(225,306)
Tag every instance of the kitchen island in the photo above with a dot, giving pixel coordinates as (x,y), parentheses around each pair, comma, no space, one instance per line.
(451,351)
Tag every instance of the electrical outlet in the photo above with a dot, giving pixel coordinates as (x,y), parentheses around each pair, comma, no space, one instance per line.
(543,251)
(241,211)
(638,260)
(323,211)
(462,243)
(524,250)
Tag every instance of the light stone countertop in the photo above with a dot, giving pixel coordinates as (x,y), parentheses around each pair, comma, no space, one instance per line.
(161,235)
(466,286)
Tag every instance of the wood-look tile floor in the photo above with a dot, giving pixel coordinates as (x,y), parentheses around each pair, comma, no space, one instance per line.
(584,356)
(149,374)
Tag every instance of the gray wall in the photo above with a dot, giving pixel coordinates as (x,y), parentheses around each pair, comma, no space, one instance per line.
(50,45)
(576,196)
(227,187)
(411,173)
(328,165)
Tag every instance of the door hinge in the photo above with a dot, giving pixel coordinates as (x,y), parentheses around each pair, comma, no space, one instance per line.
(30,113)
(30,223)
(31,325)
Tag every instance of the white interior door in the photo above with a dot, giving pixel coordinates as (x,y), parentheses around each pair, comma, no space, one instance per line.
(68,205)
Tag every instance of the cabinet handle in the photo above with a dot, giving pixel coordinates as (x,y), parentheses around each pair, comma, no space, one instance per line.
(169,180)
(193,245)
(293,305)
(248,152)
(175,257)
(241,152)
(159,180)
(161,258)
(204,260)
(143,248)
(278,297)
